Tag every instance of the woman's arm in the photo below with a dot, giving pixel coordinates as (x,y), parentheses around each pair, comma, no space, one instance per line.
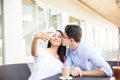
(35,41)
(34,46)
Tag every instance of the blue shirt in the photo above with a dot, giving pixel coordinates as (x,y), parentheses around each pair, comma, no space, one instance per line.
(87,58)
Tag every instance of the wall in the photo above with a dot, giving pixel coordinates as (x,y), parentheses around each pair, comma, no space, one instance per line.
(13,43)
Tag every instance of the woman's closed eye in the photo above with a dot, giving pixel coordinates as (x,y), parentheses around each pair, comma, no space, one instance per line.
(59,36)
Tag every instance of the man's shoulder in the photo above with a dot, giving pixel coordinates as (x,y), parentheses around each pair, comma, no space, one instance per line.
(87,45)
(83,45)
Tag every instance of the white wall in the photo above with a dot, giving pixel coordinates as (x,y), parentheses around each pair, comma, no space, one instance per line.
(13,43)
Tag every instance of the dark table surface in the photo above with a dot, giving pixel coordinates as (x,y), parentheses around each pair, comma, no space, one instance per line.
(56,77)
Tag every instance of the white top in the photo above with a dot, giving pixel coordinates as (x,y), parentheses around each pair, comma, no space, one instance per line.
(45,65)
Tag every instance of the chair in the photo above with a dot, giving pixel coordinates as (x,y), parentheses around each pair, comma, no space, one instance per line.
(14,72)
(112,63)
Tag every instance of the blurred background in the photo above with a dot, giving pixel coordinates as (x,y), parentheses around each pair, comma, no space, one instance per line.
(21,19)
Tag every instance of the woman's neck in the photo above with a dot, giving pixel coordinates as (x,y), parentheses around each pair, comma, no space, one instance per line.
(53,49)
(53,52)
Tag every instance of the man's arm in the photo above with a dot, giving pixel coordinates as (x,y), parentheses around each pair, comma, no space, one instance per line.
(96,72)
(76,71)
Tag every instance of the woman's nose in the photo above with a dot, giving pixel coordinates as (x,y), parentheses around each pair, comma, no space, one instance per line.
(56,37)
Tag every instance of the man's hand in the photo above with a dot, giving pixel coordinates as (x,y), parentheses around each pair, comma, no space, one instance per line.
(76,71)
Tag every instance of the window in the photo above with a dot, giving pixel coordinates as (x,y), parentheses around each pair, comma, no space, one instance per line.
(55,19)
(74,20)
(28,24)
(33,21)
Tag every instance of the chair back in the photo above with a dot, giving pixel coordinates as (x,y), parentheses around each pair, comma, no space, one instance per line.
(112,63)
(15,72)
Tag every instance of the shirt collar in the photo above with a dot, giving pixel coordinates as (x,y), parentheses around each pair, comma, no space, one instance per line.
(78,48)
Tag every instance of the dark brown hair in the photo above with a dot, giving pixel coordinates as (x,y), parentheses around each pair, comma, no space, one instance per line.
(74,31)
(61,50)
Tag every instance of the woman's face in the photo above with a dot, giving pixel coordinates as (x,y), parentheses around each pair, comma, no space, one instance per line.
(56,39)
(66,40)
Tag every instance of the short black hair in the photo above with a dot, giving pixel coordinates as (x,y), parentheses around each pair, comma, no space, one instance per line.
(74,31)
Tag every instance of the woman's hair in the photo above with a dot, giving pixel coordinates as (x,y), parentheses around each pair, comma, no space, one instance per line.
(61,50)
(74,31)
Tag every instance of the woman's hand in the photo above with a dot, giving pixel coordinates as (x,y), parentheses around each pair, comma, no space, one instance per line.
(43,35)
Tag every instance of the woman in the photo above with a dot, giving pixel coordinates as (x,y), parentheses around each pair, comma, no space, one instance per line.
(49,61)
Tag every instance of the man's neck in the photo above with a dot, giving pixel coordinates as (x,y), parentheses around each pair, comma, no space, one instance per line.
(75,45)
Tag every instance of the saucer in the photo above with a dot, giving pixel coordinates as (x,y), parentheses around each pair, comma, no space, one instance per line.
(62,78)
(112,78)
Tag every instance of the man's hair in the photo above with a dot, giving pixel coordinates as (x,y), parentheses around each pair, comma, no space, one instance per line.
(74,31)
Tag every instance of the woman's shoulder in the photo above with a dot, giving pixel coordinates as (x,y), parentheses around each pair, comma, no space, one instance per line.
(41,51)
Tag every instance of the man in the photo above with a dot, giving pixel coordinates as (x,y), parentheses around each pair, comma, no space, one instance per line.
(81,58)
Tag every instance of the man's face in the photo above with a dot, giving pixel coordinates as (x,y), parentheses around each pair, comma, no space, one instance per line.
(65,40)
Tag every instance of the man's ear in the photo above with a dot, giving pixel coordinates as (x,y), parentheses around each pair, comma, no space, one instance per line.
(72,40)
